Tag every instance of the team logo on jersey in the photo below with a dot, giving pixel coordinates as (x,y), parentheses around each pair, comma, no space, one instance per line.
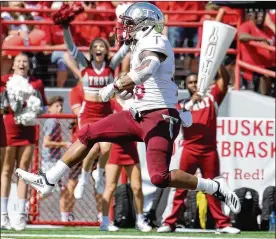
(97,81)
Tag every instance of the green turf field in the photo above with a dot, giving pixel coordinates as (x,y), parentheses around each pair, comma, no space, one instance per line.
(94,233)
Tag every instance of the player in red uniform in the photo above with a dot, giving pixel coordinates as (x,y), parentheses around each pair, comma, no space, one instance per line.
(124,155)
(96,73)
(20,146)
(200,150)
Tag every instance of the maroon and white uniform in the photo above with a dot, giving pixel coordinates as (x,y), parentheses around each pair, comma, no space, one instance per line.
(93,80)
(200,151)
(155,100)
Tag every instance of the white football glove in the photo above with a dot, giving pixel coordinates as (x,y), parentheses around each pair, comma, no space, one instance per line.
(126,95)
(186,118)
(107,92)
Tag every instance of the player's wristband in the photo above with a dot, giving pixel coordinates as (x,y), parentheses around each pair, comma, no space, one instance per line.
(118,86)
(189,105)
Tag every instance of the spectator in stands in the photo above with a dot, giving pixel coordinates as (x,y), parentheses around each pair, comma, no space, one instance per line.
(22,29)
(126,156)
(54,38)
(255,30)
(184,36)
(52,151)
(15,35)
(87,33)
(20,146)
(107,31)
(200,150)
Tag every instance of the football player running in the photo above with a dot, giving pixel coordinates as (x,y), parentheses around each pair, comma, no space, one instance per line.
(153,118)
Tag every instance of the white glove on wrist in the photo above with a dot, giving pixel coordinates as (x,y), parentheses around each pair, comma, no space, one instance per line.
(107,92)
(186,118)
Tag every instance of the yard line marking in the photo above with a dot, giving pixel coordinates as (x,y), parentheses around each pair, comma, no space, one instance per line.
(110,236)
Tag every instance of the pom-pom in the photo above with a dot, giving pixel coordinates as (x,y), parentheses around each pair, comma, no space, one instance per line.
(67,13)
(28,115)
(19,90)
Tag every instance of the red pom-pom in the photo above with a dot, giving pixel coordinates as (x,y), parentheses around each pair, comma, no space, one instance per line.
(67,13)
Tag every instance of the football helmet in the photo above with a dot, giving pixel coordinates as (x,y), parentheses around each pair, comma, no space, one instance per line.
(139,20)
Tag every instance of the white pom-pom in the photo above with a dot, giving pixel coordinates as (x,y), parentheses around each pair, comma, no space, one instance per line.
(28,115)
(19,90)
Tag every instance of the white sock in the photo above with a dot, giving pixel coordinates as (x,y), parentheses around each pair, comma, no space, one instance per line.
(206,185)
(64,216)
(84,176)
(21,206)
(59,170)
(140,218)
(105,220)
(4,205)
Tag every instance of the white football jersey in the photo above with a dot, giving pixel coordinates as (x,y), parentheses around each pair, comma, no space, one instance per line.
(159,91)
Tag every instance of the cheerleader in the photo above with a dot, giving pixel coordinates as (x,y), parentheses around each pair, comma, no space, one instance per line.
(96,73)
(20,136)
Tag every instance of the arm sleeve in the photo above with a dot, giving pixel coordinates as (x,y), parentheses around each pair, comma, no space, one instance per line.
(48,127)
(218,94)
(119,56)
(73,50)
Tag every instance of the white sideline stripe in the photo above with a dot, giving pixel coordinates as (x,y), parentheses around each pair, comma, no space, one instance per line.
(109,236)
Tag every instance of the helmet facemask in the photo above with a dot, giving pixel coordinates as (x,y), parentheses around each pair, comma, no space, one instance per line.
(138,21)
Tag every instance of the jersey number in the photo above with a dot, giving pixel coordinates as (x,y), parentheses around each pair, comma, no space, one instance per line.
(139,92)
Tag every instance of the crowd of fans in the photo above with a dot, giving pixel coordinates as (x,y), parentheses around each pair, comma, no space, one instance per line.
(257,25)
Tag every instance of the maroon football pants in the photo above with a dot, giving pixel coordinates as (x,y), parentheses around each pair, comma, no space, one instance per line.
(154,128)
(208,162)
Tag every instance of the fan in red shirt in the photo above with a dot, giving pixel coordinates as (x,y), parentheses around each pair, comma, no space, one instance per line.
(20,146)
(255,30)
(200,150)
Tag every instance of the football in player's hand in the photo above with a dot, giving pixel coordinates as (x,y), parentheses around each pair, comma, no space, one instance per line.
(126,94)
(129,90)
